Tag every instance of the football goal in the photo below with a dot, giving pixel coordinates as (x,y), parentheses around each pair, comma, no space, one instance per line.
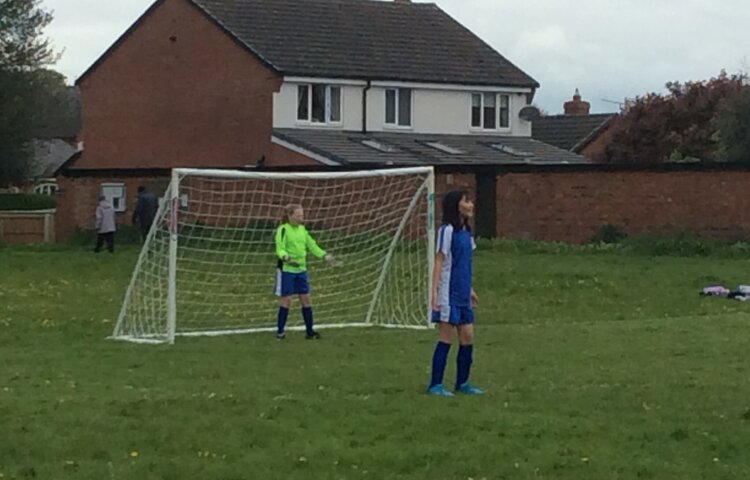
(208,264)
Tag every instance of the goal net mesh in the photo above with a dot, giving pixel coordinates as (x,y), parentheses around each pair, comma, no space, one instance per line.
(209,260)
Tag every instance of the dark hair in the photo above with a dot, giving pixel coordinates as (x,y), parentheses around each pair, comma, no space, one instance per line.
(141,189)
(451,213)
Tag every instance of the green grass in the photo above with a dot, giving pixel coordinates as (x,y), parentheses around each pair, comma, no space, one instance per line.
(601,364)
(224,283)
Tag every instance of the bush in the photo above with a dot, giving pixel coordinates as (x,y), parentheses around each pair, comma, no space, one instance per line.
(680,245)
(26,201)
(608,234)
(533,247)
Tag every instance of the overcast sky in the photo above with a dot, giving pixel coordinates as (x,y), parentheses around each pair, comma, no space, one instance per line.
(610,49)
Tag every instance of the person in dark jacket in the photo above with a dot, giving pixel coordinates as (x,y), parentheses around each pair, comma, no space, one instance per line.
(145,210)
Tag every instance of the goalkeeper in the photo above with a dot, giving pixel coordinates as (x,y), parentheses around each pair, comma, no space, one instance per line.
(292,244)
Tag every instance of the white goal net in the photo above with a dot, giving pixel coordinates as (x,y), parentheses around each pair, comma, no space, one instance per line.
(208,265)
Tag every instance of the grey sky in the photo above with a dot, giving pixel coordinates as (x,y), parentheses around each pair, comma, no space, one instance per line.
(610,49)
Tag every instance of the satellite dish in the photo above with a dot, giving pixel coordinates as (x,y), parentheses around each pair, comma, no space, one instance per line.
(529,113)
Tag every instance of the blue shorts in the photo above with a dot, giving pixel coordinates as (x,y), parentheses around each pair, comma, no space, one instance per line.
(453,315)
(288,284)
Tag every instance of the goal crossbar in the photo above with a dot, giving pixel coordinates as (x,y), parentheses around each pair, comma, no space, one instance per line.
(386,172)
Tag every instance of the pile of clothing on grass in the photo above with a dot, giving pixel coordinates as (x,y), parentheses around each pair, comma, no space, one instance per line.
(742,292)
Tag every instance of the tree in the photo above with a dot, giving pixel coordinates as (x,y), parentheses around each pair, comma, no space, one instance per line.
(22,45)
(678,126)
(23,53)
(14,123)
(733,129)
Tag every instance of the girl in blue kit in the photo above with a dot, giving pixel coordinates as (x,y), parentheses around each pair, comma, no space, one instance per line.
(453,298)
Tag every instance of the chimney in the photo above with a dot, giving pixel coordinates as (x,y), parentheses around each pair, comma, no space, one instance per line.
(577,106)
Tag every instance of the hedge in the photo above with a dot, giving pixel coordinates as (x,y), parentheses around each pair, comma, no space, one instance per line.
(26,201)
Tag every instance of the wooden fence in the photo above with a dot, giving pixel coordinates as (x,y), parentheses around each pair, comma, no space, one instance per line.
(27,227)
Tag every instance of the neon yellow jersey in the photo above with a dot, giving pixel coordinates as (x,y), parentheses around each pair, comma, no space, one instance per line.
(293,241)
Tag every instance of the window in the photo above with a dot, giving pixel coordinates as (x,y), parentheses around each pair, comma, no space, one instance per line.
(319,103)
(46,188)
(335,104)
(490,111)
(303,103)
(115,195)
(390,107)
(489,115)
(504,111)
(398,107)
(476,110)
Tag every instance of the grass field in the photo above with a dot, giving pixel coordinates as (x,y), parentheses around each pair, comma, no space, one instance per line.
(598,365)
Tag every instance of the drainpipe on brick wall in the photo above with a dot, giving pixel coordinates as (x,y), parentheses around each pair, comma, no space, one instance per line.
(364,106)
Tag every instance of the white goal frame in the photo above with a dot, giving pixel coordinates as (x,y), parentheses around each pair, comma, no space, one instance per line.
(172,200)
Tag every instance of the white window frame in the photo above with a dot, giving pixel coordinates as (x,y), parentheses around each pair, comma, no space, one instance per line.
(46,188)
(106,189)
(397,94)
(328,122)
(498,101)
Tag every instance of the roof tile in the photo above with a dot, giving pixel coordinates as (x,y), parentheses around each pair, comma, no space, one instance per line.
(364,39)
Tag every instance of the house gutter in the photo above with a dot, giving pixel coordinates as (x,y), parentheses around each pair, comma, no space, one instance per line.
(364,105)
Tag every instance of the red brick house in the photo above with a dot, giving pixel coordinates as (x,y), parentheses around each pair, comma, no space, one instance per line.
(577,130)
(270,83)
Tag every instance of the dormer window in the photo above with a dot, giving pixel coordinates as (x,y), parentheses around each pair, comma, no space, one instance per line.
(398,107)
(319,104)
(490,111)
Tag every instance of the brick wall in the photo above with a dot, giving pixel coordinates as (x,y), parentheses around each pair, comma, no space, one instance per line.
(176,92)
(560,206)
(571,206)
(353,205)
(78,195)
(364,205)
(280,156)
(76,205)
(447,181)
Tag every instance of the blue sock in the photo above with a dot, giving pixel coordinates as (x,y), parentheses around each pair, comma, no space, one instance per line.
(281,319)
(463,364)
(439,359)
(307,316)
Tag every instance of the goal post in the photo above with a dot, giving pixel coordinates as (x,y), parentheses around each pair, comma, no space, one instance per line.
(208,264)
